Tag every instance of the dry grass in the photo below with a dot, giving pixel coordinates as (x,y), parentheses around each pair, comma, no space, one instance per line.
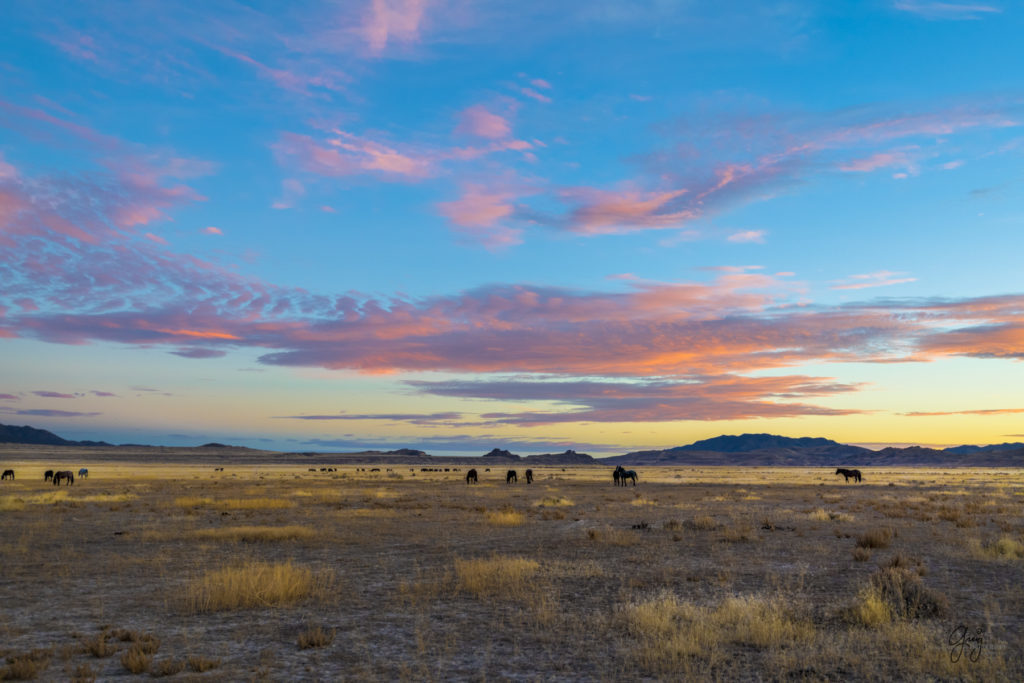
(254,504)
(26,666)
(608,535)
(136,660)
(795,602)
(255,584)
(554,501)
(199,664)
(255,534)
(876,538)
(495,577)
(316,636)
(669,630)
(505,518)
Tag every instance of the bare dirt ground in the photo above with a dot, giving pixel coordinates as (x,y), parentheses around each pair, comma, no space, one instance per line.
(272,572)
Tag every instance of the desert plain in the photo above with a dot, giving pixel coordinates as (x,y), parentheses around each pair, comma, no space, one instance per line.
(266,570)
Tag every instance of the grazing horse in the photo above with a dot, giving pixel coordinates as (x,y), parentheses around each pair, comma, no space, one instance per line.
(847,474)
(529,476)
(48,475)
(83,473)
(511,477)
(617,476)
(627,474)
(62,475)
(471,477)
(8,474)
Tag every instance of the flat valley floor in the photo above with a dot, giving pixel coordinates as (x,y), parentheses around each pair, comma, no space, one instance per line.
(273,572)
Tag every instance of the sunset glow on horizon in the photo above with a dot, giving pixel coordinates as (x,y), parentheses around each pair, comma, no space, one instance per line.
(455,226)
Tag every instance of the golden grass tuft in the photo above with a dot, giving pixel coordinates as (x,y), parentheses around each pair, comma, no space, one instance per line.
(316,636)
(199,664)
(256,584)
(611,536)
(26,666)
(253,504)
(904,595)
(192,501)
(1003,548)
(135,660)
(505,518)
(497,576)
(255,534)
(869,609)
(554,502)
(875,538)
(670,630)
(166,667)
(702,523)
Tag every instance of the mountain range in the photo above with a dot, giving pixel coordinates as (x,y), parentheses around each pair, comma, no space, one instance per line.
(743,449)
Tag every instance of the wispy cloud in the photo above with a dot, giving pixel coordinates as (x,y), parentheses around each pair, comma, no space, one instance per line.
(882,278)
(956,11)
(53,394)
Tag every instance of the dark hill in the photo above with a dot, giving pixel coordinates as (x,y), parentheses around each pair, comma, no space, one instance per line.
(40,437)
(757,442)
(991,448)
(569,457)
(500,453)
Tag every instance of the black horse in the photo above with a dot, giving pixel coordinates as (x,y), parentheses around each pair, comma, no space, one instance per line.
(511,477)
(8,474)
(529,476)
(847,474)
(471,477)
(617,476)
(63,475)
(83,473)
(627,474)
(48,475)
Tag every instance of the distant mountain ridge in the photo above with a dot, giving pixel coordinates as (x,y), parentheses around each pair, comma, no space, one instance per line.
(738,450)
(40,437)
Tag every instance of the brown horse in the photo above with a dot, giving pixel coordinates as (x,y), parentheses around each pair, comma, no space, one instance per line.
(48,475)
(64,475)
(848,474)
(471,477)
(8,474)
(511,477)
(529,476)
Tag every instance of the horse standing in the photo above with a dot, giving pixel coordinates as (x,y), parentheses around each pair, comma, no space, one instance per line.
(511,477)
(847,474)
(83,473)
(8,474)
(529,476)
(64,475)
(627,474)
(471,477)
(48,475)
(617,476)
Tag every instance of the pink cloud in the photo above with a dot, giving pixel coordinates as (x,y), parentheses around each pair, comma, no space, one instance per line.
(877,161)
(747,236)
(9,397)
(604,212)
(540,83)
(389,21)
(347,154)
(294,80)
(479,212)
(156,238)
(211,230)
(478,121)
(533,94)
(52,394)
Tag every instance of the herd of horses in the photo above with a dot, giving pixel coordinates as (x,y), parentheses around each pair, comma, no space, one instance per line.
(66,476)
(620,476)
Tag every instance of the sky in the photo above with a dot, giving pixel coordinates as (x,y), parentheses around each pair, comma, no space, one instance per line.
(451,225)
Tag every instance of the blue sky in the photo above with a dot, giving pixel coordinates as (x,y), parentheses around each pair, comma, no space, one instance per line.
(458,225)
